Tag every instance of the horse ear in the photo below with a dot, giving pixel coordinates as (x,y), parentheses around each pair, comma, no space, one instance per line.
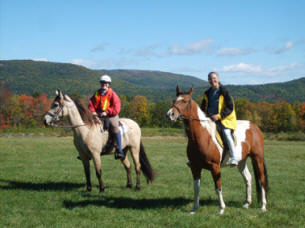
(178,91)
(67,98)
(59,93)
(190,92)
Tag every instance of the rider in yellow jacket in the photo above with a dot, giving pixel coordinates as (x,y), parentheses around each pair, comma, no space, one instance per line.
(219,106)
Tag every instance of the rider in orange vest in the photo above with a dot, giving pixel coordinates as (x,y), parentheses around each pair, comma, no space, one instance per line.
(106,103)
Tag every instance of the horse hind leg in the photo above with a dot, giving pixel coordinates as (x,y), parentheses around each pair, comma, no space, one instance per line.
(261,180)
(243,169)
(135,153)
(217,181)
(127,167)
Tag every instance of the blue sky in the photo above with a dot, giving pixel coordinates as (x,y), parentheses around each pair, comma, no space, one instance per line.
(246,42)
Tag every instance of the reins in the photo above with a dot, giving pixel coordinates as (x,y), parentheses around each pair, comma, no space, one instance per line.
(55,115)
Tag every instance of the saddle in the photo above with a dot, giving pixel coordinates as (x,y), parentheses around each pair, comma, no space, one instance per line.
(221,141)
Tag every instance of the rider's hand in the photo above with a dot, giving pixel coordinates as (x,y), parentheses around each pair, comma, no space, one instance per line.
(214,117)
(103,114)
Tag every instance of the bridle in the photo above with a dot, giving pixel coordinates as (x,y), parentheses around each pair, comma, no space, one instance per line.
(183,117)
(55,116)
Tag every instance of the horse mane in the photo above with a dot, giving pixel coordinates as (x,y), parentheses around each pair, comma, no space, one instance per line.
(85,114)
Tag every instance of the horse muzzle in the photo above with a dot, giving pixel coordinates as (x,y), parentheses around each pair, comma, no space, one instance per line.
(171,115)
(47,120)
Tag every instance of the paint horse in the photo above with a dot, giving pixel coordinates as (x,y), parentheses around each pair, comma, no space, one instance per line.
(204,152)
(89,139)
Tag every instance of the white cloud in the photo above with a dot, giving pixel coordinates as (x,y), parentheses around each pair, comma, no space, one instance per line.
(191,48)
(41,59)
(100,47)
(84,62)
(151,50)
(283,68)
(234,51)
(241,67)
(272,74)
(287,46)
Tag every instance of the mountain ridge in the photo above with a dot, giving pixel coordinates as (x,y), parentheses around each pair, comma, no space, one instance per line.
(29,77)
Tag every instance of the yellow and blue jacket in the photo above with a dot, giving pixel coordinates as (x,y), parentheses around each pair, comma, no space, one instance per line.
(226,110)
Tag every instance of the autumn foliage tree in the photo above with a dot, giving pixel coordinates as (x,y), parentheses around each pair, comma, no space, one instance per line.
(27,111)
(138,110)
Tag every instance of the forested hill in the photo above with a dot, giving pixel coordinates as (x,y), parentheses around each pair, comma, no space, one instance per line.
(30,77)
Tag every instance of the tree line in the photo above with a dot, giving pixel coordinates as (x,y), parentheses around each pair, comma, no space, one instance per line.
(26,111)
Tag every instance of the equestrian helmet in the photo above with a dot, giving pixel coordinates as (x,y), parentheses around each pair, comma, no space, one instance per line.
(105,78)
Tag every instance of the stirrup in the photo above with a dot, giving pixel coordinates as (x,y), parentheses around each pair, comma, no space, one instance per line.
(119,155)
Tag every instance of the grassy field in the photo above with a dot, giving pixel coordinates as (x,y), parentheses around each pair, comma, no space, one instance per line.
(42,185)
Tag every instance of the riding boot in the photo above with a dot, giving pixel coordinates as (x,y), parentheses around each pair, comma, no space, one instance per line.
(119,154)
(229,139)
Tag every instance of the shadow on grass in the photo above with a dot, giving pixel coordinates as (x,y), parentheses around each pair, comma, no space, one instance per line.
(129,203)
(46,186)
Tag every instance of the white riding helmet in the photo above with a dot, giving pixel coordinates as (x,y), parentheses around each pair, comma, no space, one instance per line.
(105,78)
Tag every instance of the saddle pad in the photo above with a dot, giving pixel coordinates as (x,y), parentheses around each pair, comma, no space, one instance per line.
(123,127)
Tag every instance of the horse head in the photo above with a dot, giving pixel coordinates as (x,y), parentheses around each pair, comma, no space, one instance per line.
(182,105)
(58,110)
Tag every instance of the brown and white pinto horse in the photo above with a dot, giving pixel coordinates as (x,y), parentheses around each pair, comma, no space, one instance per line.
(204,152)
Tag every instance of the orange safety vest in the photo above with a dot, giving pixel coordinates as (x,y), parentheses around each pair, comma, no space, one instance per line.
(102,101)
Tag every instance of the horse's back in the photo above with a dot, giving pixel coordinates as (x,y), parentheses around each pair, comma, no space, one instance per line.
(133,132)
(251,133)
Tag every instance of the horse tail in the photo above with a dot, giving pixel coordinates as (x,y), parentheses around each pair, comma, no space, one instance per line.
(145,165)
(258,181)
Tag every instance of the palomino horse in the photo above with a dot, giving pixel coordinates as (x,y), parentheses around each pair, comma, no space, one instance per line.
(89,139)
(204,152)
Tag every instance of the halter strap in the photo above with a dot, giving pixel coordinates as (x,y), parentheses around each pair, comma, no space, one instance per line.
(55,115)
(189,118)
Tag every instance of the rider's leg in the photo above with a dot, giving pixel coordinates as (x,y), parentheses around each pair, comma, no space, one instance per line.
(114,123)
(230,142)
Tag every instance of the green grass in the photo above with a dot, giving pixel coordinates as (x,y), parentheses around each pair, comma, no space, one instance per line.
(146,132)
(42,184)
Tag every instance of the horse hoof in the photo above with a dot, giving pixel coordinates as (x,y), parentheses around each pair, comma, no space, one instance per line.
(192,212)
(221,211)
(102,191)
(89,189)
(264,209)
(138,188)
(246,205)
(129,186)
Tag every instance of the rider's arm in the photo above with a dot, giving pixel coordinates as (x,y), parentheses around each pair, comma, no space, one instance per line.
(115,105)
(91,105)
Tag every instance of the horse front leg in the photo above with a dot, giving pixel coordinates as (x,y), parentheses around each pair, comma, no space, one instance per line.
(217,181)
(86,165)
(98,171)
(196,172)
